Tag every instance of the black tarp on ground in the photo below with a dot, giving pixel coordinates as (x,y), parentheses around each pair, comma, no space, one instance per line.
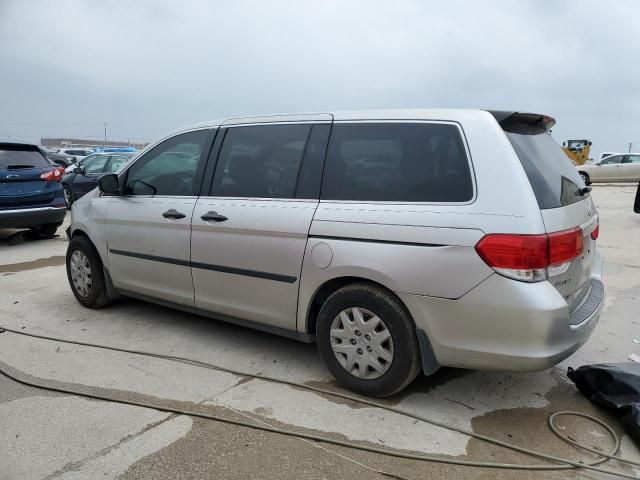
(615,386)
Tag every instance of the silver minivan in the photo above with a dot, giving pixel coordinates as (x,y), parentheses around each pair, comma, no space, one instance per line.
(397,240)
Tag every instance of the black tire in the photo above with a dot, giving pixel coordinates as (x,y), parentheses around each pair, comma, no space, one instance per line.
(97,296)
(405,364)
(68,196)
(585,178)
(49,228)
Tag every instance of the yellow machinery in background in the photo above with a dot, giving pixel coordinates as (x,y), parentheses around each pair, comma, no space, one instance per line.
(577,150)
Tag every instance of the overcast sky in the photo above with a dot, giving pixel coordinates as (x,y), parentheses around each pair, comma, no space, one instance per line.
(146,67)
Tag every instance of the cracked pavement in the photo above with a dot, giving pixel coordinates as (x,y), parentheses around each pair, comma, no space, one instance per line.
(47,435)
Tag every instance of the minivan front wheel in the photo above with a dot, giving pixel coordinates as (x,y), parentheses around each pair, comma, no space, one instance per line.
(85,273)
(367,340)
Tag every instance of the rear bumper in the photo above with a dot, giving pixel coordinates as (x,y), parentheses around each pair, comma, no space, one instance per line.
(31,217)
(507,325)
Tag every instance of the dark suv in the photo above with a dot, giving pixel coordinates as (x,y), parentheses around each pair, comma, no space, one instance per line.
(30,189)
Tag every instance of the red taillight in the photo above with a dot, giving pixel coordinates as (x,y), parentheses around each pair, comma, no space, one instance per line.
(595,232)
(53,176)
(521,252)
(565,246)
(526,257)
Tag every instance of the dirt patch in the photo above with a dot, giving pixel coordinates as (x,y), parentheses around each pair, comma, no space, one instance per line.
(54,261)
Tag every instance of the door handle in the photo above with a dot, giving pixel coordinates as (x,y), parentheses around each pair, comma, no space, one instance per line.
(213,216)
(173,213)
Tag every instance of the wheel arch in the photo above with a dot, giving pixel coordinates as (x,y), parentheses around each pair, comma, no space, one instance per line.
(586,174)
(332,285)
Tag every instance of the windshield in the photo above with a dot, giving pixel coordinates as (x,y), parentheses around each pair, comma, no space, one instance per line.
(554,179)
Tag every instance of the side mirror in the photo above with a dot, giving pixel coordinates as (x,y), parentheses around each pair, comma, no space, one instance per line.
(109,184)
(78,170)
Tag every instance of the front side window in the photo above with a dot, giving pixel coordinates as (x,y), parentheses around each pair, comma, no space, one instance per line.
(170,168)
(96,165)
(260,161)
(397,162)
(612,160)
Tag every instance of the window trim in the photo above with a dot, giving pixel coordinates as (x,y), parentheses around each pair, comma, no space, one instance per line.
(204,160)
(463,137)
(223,134)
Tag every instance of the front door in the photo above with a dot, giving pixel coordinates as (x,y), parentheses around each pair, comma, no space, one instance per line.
(608,170)
(88,180)
(149,227)
(249,235)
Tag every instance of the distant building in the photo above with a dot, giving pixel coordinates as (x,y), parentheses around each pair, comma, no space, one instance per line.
(83,142)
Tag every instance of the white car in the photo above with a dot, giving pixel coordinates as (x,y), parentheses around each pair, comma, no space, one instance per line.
(624,167)
(77,153)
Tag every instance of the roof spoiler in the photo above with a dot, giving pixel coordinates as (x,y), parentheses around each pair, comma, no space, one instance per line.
(511,119)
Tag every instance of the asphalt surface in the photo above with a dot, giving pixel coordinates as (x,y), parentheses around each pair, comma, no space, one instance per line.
(46,435)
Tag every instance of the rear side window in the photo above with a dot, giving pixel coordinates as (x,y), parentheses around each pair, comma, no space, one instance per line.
(260,161)
(17,157)
(397,162)
(554,179)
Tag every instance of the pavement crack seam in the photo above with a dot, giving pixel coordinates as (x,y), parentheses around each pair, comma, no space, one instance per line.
(71,466)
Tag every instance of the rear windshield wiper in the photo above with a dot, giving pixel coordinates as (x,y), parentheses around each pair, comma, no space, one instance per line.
(18,166)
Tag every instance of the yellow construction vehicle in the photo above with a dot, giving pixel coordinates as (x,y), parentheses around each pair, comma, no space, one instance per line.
(577,150)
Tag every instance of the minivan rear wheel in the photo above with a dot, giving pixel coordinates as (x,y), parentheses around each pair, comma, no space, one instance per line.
(85,273)
(367,340)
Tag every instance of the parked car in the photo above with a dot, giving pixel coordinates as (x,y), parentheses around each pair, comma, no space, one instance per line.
(84,178)
(75,152)
(30,189)
(398,240)
(61,159)
(607,154)
(614,168)
(115,150)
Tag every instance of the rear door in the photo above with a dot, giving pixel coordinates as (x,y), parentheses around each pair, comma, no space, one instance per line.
(250,232)
(630,171)
(22,168)
(557,186)
(149,227)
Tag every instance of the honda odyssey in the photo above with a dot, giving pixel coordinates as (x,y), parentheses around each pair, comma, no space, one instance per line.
(397,240)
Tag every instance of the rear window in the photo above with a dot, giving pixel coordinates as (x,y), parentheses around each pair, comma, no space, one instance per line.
(16,157)
(397,162)
(554,179)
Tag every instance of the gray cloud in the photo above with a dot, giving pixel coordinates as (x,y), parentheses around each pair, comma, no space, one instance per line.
(145,67)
